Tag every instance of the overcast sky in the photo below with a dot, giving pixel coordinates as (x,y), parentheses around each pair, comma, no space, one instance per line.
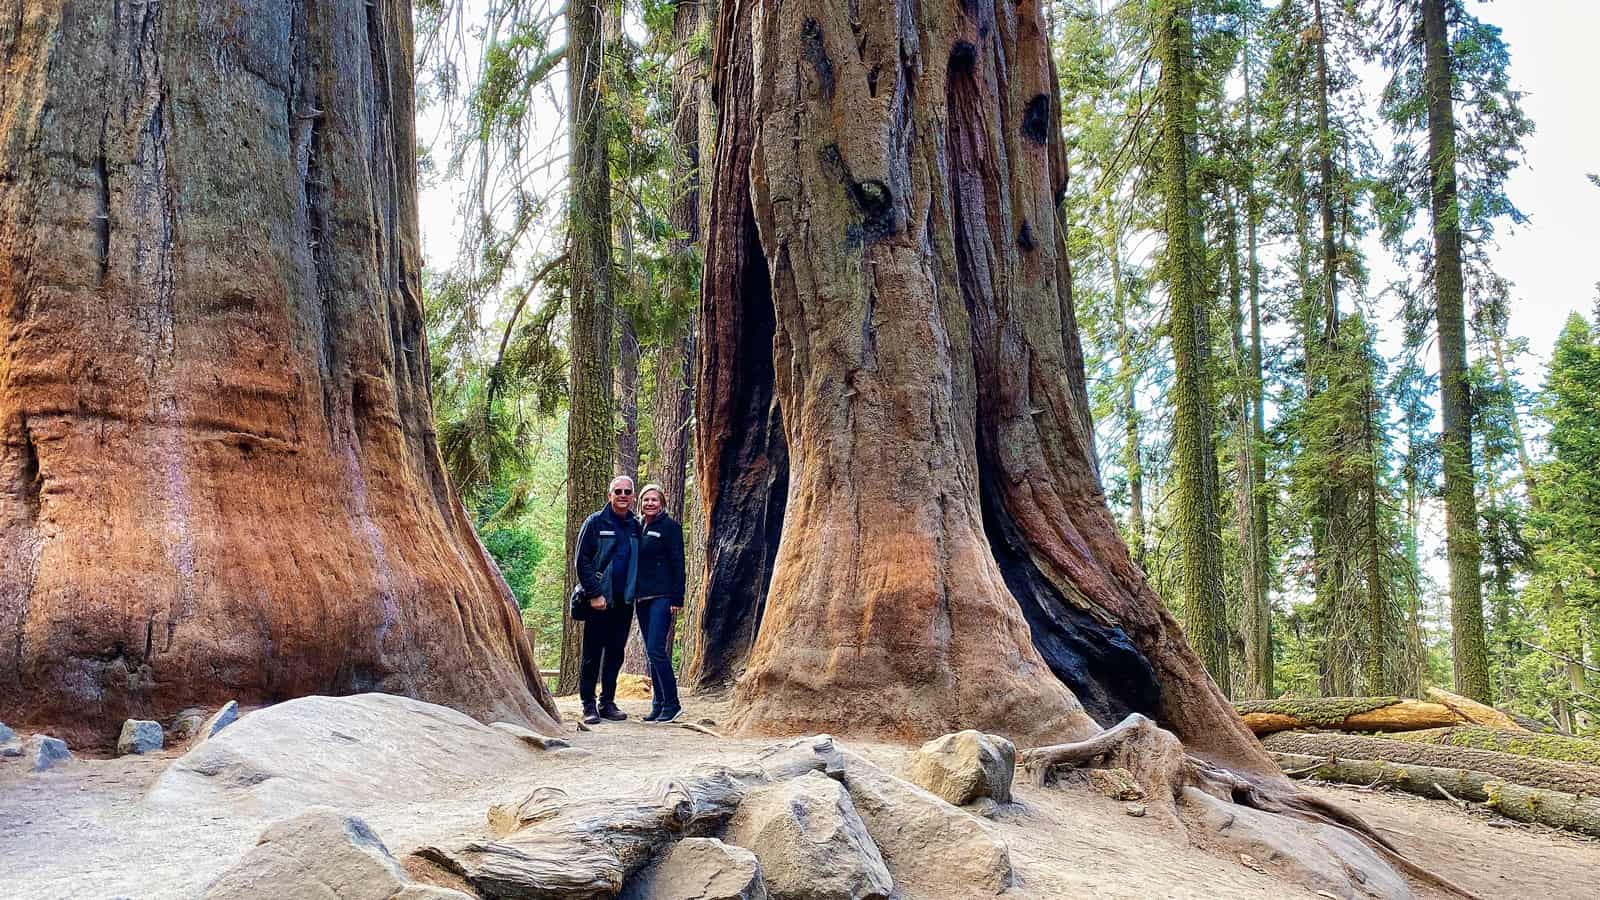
(1555,258)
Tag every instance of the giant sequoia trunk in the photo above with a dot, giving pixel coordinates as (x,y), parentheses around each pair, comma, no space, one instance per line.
(218,473)
(906,446)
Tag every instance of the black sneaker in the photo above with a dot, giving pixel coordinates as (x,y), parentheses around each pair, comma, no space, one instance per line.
(655,713)
(590,716)
(610,711)
(670,714)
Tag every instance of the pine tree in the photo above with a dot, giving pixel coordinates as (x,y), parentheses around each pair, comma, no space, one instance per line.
(1437,52)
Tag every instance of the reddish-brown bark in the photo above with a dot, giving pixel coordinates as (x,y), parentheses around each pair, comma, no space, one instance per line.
(885,266)
(218,474)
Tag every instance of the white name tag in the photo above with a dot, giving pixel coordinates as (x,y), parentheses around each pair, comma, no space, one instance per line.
(653,533)
(608,534)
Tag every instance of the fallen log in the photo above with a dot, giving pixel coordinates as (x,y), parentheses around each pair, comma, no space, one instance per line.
(1519,743)
(1558,809)
(1474,712)
(1345,714)
(1568,777)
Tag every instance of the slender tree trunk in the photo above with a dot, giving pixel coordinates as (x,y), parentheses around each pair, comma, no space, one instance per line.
(1251,575)
(218,472)
(590,436)
(626,391)
(1194,505)
(945,545)
(1379,668)
(1455,400)
(1258,619)
(1127,389)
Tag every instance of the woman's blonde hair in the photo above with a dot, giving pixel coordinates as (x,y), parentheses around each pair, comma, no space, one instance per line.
(653,487)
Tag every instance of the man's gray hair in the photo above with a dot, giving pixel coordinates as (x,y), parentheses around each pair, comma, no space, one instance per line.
(627,478)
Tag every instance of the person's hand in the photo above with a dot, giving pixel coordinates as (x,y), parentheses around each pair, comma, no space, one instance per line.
(597,602)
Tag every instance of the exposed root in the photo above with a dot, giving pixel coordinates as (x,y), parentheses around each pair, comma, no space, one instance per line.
(1162,768)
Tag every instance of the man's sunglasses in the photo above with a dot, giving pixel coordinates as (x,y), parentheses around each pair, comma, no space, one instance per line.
(622,492)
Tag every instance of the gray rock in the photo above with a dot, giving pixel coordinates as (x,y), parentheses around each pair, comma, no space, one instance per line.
(6,734)
(810,841)
(321,854)
(222,718)
(932,849)
(139,736)
(700,868)
(964,766)
(13,749)
(1322,857)
(344,752)
(43,752)
(186,724)
(531,738)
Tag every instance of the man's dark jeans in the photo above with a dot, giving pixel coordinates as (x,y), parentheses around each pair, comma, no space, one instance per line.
(605,638)
(655,622)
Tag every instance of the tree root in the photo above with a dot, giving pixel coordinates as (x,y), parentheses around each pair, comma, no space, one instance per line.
(1159,764)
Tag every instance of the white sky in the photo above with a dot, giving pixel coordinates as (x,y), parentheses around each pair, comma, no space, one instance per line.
(1554,260)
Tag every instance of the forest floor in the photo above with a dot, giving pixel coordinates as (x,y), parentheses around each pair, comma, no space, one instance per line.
(88,829)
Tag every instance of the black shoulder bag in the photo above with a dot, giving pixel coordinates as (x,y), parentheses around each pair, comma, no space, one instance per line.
(578,605)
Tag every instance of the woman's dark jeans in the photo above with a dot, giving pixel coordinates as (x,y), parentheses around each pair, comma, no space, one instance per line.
(655,623)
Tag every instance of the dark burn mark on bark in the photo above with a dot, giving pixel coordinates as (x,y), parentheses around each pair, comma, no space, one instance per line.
(817,56)
(963,57)
(872,81)
(1099,663)
(30,481)
(753,471)
(102,212)
(1036,119)
(1025,238)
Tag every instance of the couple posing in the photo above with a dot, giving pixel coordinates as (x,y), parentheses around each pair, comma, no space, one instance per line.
(629,566)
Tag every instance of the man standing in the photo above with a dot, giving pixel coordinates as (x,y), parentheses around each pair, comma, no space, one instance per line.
(608,563)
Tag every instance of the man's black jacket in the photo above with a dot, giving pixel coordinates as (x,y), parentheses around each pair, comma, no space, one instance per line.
(600,532)
(661,559)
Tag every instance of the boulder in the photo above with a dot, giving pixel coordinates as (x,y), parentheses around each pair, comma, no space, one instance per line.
(321,854)
(700,868)
(932,849)
(964,766)
(339,751)
(531,738)
(1322,857)
(139,736)
(43,752)
(186,724)
(6,734)
(222,718)
(810,841)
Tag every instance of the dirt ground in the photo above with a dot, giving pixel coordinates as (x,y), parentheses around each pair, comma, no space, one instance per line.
(85,831)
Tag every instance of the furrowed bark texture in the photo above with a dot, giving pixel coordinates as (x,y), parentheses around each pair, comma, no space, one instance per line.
(944,541)
(1194,460)
(1469,646)
(223,480)
(590,437)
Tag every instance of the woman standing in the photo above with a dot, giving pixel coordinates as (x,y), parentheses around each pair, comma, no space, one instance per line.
(659,597)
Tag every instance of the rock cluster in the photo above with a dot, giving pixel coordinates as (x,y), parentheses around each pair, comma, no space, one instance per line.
(804,821)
